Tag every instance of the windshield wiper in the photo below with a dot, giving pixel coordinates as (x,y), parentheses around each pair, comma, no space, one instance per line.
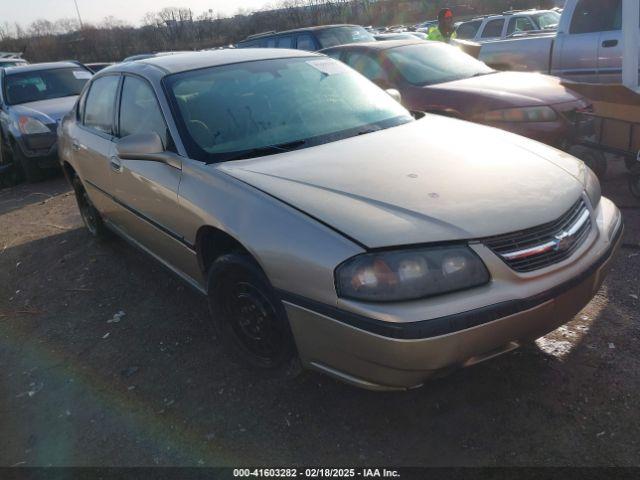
(268,150)
(482,74)
(368,131)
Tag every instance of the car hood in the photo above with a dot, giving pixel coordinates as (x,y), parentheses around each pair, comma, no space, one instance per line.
(432,180)
(51,110)
(510,89)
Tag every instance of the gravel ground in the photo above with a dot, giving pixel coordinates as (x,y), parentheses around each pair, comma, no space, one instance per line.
(106,361)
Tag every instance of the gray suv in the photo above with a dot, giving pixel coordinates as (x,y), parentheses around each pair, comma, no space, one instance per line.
(33,99)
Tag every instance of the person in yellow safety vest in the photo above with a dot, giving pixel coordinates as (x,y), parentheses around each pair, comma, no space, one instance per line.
(444,32)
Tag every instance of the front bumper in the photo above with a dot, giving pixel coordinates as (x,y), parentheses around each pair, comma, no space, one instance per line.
(381,355)
(40,149)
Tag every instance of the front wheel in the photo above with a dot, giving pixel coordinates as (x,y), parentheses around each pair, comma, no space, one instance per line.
(13,175)
(26,167)
(249,318)
(90,215)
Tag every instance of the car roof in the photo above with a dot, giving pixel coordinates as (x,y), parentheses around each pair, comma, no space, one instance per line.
(36,67)
(260,36)
(379,46)
(184,62)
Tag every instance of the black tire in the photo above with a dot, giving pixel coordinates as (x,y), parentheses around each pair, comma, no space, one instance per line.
(249,319)
(90,215)
(13,176)
(634,185)
(632,164)
(26,167)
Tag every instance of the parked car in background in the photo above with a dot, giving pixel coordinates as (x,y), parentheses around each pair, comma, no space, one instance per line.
(383,37)
(425,26)
(325,225)
(33,99)
(144,56)
(439,78)
(586,48)
(508,24)
(98,66)
(11,59)
(309,39)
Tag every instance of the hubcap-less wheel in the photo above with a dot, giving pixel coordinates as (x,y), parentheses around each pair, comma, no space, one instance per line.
(90,216)
(253,320)
(88,212)
(249,318)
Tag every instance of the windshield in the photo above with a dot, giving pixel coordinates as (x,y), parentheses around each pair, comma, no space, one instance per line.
(269,106)
(44,84)
(431,63)
(547,20)
(331,37)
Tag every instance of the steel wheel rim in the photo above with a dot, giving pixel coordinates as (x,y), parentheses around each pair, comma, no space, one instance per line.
(87,212)
(253,321)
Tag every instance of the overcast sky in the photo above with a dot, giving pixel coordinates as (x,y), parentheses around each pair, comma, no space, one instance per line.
(25,11)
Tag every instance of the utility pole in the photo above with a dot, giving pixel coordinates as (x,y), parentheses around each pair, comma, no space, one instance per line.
(78,12)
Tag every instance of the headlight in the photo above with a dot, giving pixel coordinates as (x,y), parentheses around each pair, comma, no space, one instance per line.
(31,126)
(410,274)
(592,187)
(529,114)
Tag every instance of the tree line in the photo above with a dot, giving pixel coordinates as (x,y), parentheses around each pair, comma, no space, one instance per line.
(113,39)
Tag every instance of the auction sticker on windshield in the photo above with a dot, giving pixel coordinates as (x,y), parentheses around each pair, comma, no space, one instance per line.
(328,67)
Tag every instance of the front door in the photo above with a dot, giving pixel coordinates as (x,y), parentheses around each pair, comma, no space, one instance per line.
(147,191)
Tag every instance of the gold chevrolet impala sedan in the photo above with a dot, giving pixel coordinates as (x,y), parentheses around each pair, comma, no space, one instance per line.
(327,226)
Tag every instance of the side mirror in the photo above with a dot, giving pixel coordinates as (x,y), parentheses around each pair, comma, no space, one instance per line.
(146,147)
(395,94)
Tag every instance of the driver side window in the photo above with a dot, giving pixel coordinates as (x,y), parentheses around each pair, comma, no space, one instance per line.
(140,112)
(367,66)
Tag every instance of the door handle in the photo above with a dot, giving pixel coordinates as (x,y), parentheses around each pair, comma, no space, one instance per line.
(116,164)
(609,43)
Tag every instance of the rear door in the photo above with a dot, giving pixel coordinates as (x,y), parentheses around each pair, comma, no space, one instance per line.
(578,48)
(610,43)
(93,141)
(493,29)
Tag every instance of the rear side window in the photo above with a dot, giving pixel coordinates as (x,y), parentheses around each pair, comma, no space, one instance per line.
(597,16)
(305,42)
(284,42)
(366,65)
(100,104)
(139,110)
(468,30)
(520,24)
(493,29)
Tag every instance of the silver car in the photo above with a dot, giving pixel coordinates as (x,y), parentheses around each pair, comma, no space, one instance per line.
(33,99)
(328,227)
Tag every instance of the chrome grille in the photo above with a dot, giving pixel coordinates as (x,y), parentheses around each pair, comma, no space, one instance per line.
(541,247)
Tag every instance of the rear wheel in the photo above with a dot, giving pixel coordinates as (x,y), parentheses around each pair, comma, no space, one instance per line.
(249,318)
(90,215)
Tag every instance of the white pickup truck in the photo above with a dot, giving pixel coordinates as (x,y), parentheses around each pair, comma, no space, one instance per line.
(586,48)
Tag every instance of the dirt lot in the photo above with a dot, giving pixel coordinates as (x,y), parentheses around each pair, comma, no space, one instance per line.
(82,387)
